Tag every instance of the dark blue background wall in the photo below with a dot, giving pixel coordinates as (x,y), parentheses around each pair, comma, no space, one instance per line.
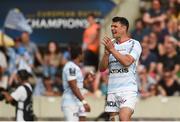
(39,12)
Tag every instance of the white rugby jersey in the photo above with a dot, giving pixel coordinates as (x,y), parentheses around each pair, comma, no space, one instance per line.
(71,71)
(124,78)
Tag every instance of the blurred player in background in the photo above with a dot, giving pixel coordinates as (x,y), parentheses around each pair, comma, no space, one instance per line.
(74,105)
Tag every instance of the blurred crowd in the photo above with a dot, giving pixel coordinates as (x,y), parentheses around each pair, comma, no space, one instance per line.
(158,73)
(158,30)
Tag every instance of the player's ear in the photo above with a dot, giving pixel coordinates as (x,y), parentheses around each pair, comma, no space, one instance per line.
(124,28)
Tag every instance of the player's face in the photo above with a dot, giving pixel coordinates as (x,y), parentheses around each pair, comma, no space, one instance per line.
(117,29)
(18,78)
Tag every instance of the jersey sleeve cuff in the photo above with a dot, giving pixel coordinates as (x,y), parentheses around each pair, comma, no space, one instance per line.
(71,78)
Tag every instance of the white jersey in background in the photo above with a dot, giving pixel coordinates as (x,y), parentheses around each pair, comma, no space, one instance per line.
(71,71)
(124,78)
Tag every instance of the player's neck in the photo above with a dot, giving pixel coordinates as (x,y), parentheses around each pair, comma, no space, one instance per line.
(76,61)
(123,38)
(24,82)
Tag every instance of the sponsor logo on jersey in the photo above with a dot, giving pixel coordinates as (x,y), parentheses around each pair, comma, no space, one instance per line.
(114,61)
(120,50)
(122,101)
(72,71)
(122,70)
(111,104)
(75,114)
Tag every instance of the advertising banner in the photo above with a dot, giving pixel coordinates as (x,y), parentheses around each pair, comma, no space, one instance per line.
(60,20)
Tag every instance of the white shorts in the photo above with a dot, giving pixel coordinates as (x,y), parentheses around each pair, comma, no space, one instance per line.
(116,101)
(72,112)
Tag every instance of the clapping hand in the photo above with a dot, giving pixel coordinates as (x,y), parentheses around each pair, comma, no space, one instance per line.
(108,43)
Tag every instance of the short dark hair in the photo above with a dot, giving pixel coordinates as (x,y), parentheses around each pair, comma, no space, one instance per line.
(121,20)
(91,15)
(23,74)
(75,51)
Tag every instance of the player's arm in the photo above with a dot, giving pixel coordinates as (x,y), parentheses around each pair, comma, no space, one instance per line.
(125,60)
(77,93)
(7,96)
(71,77)
(14,96)
(75,90)
(103,65)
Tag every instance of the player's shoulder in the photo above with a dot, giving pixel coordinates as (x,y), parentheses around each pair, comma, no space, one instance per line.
(69,64)
(20,89)
(135,42)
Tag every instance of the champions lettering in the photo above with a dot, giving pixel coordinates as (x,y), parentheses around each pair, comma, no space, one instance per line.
(57,23)
(122,70)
